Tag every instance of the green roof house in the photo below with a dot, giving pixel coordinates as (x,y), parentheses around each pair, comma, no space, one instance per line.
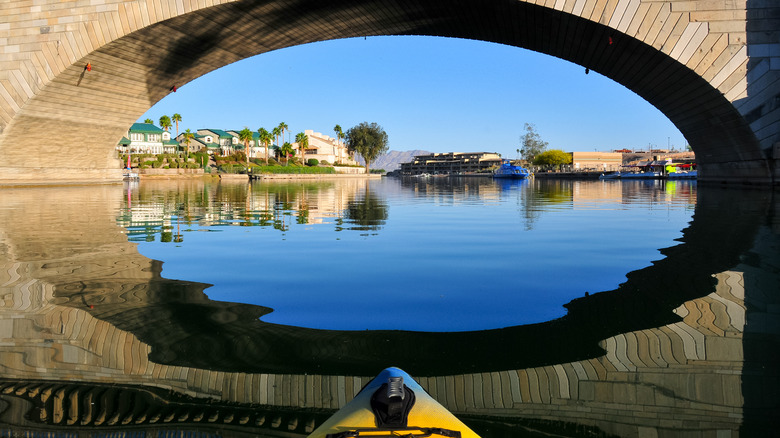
(226,141)
(145,138)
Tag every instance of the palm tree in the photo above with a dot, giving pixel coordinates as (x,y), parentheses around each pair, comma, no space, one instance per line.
(149,121)
(283,127)
(339,134)
(303,142)
(176,118)
(165,122)
(276,132)
(265,139)
(188,136)
(286,151)
(245,136)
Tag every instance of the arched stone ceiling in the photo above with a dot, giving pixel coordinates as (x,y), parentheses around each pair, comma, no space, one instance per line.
(140,50)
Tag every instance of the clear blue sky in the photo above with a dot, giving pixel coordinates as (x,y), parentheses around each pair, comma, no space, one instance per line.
(436,94)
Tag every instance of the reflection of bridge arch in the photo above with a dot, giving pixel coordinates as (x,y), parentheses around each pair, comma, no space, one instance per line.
(71,286)
(688,58)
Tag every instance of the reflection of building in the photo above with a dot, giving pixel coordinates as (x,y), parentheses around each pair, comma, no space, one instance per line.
(87,341)
(451,163)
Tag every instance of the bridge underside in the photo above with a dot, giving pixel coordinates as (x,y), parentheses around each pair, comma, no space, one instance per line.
(68,130)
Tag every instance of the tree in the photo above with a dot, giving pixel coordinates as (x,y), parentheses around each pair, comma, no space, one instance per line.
(245,136)
(276,132)
(283,127)
(369,140)
(531,143)
(553,157)
(165,122)
(176,118)
(188,136)
(339,135)
(286,151)
(303,142)
(265,139)
(149,121)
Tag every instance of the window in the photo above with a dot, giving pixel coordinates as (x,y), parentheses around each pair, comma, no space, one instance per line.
(136,136)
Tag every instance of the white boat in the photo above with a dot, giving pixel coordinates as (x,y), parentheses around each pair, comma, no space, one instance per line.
(129,175)
(683,174)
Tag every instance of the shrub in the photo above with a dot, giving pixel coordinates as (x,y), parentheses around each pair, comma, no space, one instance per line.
(156,164)
(272,162)
(324,163)
(311,162)
(295,170)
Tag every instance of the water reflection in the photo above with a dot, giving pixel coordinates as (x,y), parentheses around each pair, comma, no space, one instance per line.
(168,208)
(94,339)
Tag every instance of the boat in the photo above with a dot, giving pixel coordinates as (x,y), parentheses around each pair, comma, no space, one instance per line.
(613,175)
(392,405)
(641,175)
(509,170)
(683,174)
(129,175)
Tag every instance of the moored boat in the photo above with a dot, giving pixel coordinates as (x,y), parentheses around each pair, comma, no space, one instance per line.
(641,175)
(391,405)
(613,175)
(683,174)
(509,170)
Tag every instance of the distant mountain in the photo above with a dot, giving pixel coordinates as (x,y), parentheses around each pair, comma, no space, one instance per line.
(393,159)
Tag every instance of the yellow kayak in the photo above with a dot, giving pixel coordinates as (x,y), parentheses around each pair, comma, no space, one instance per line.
(393,405)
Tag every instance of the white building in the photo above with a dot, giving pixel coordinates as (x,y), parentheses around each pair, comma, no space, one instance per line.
(326,148)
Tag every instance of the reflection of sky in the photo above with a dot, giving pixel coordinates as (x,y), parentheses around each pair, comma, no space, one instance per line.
(433,266)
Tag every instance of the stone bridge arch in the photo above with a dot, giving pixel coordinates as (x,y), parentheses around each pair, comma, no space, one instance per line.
(711,66)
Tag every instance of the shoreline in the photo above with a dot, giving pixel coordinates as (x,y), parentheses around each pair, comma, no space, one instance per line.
(264,177)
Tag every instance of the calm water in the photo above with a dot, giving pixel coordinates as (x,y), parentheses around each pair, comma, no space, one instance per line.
(571,308)
(432,255)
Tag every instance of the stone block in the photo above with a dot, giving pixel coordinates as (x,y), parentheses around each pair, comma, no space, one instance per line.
(587,390)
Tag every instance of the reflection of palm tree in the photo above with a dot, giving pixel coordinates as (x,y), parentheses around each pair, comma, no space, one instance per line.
(303,211)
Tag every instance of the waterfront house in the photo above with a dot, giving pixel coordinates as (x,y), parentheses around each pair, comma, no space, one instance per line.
(228,143)
(256,150)
(145,138)
(326,148)
(199,142)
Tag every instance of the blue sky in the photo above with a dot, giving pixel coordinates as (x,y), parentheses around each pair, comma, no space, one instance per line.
(436,94)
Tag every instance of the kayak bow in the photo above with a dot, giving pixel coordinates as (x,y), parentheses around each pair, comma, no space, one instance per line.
(392,405)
